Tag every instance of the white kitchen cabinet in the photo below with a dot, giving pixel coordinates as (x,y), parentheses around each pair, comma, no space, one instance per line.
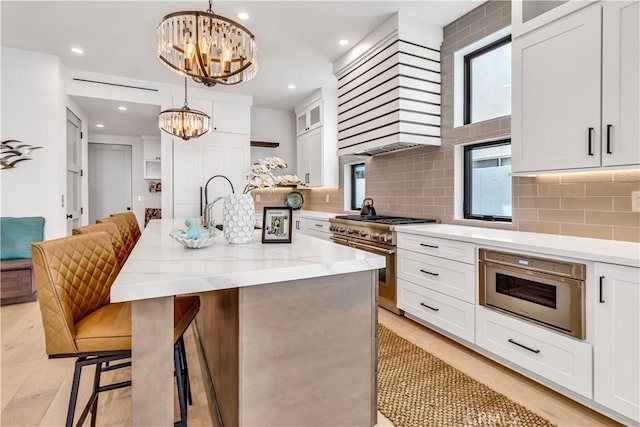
(527,15)
(617,338)
(563,360)
(621,83)
(309,157)
(151,158)
(299,224)
(231,118)
(317,145)
(561,113)
(309,117)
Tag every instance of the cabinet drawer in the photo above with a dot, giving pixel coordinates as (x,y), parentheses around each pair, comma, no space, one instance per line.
(450,314)
(318,225)
(560,359)
(443,248)
(452,278)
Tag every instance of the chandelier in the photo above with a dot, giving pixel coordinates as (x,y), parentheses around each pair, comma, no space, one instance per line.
(210,49)
(184,122)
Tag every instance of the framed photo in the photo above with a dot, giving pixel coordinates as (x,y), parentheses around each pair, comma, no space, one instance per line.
(276,225)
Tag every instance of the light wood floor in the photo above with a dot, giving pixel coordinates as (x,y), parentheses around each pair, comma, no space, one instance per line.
(35,389)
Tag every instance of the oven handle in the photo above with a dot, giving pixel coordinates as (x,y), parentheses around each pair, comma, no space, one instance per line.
(362,246)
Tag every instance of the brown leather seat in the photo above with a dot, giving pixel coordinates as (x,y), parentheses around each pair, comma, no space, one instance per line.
(116,239)
(132,221)
(124,228)
(74,277)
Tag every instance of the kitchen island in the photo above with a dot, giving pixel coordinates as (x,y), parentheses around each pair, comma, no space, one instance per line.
(288,330)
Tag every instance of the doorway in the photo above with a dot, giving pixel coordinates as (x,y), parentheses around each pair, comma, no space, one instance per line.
(74,171)
(109,180)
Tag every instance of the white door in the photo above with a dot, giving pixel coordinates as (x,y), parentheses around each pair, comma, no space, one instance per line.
(109,180)
(74,169)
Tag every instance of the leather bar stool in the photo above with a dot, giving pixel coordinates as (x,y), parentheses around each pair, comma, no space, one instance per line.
(124,228)
(116,239)
(74,276)
(132,221)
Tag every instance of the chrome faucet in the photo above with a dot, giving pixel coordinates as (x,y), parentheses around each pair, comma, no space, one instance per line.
(207,214)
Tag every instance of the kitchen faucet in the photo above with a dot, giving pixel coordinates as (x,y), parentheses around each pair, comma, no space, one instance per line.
(207,215)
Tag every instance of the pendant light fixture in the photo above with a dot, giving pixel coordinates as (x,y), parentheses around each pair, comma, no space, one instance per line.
(209,48)
(184,122)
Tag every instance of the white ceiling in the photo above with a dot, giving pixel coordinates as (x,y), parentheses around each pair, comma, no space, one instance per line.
(297,40)
(138,119)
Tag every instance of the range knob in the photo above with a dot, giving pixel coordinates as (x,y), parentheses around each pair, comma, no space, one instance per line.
(350,231)
(363,233)
(341,229)
(331,228)
(386,237)
(375,236)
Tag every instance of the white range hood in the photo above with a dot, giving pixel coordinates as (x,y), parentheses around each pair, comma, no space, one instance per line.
(389,89)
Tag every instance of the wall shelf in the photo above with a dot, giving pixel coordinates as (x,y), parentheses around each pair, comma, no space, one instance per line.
(264,144)
(151,169)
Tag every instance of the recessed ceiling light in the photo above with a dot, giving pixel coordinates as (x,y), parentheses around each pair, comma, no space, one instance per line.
(122,108)
(99,125)
(77,50)
(292,86)
(243,15)
(343,42)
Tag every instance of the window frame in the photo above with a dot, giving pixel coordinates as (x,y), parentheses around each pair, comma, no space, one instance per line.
(467,182)
(467,91)
(352,173)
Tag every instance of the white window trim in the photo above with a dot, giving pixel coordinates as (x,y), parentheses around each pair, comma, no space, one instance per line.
(458,181)
(458,72)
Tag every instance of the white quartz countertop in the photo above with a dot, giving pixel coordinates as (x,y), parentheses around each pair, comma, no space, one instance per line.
(581,248)
(159,266)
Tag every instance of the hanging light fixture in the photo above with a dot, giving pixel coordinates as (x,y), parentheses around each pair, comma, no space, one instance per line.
(209,48)
(184,122)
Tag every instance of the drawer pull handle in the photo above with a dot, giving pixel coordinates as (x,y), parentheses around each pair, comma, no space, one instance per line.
(318,225)
(429,307)
(601,285)
(429,246)
(524,346)
(428,272)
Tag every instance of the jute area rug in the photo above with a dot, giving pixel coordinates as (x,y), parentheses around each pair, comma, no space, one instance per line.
(416,389)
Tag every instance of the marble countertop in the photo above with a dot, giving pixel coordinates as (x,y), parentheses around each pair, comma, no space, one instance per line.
(580,248)
(317,214)
(159,266)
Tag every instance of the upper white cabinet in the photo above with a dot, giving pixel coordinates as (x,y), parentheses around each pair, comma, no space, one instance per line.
(617,338)
(310,117)
(230,118)
(317,143)
(527,15)
(151,155)
(571,110)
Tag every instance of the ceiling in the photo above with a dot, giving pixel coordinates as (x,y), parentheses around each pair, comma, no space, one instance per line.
(137,119)
(297,40)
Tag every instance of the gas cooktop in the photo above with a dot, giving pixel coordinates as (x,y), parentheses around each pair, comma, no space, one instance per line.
(382,219)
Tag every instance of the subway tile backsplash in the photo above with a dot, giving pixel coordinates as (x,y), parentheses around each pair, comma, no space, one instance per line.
(419,182)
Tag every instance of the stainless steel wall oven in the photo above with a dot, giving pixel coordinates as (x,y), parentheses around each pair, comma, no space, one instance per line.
(544,291)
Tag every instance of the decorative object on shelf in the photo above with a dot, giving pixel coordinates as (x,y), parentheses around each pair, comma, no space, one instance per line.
(276,225)
(152,187)
(184,122)
(238,218)
(152,213)
(294,200)
(194,237)
(13,152)
(261,177)
(158,187)
(209,48)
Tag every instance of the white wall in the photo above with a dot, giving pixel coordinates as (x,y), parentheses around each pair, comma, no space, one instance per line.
(34,111)
(269,125)
(140,195)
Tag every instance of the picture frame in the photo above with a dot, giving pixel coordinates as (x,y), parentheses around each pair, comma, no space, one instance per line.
(276,224)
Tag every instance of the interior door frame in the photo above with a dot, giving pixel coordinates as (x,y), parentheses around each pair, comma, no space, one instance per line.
(73,203)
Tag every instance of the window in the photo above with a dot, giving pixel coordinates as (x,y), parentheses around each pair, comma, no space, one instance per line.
(487,181)
(487,82)
(357,185)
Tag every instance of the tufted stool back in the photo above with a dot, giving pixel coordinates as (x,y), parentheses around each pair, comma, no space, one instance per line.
(73,277)
(113,232)
(123,228)
(132,222)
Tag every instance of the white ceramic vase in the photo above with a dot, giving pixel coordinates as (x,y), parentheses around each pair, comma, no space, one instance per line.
(238,218)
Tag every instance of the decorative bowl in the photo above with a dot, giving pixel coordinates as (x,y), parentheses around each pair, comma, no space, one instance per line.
(202,242)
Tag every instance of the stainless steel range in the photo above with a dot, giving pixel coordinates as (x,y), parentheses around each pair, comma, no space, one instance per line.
(374,234)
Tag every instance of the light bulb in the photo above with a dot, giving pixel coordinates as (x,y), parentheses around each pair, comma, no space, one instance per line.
(189,49)
(205,46)
(225,61)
